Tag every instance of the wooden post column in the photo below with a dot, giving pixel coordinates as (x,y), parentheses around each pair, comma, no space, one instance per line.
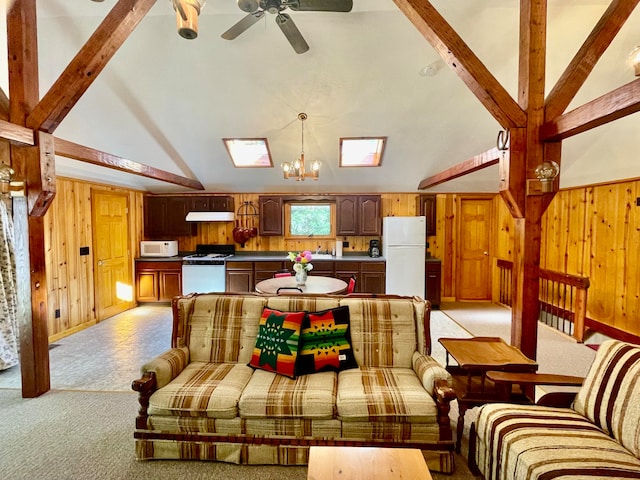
(27,162)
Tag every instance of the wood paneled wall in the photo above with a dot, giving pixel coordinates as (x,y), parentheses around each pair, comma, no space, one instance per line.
(593,232)
(69,275)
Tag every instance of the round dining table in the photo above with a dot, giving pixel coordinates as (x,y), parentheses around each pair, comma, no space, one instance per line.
(314,284)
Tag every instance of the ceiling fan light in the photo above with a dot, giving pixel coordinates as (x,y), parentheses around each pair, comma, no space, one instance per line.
(188,27)
(248,6)
(634,58)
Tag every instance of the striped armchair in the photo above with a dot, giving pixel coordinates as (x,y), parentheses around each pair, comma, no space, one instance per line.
(597,437)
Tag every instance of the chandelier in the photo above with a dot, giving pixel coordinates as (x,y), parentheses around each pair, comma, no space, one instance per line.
(296,169)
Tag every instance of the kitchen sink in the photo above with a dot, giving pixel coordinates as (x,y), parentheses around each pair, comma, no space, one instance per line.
(321,256)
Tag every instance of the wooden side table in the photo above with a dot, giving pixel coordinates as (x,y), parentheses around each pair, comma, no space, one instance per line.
(366,463)
(475,357)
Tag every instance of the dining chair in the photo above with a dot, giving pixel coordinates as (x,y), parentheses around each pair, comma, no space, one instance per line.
(282,274)
(352,285)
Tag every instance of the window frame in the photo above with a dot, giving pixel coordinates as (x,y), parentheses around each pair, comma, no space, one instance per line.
(287,220)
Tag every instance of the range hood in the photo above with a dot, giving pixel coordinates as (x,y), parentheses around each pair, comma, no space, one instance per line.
(210,217)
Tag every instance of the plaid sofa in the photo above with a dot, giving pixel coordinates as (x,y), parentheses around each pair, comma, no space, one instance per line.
(598,437)
(200,400)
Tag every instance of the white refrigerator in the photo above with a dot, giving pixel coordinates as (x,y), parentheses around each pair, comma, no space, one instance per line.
(403,247)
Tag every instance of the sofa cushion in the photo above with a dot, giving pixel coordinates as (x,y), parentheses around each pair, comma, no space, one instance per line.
(383,331)
(276,396)
(516,442)
(277,341)
(202,390)
(383,395)
(609,395)
(325,342)
(218,328)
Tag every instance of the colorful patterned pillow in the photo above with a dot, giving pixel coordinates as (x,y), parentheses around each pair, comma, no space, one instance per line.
(276,347)
(325,342)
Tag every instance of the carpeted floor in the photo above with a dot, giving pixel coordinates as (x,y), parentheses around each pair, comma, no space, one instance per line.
(82,429)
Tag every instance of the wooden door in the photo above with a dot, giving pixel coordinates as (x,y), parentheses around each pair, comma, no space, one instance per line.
(474,256)
(112,260)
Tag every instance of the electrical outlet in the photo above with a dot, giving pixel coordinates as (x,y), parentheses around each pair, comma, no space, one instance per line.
(84,250)
(638,202)
(57,314)
(345,244)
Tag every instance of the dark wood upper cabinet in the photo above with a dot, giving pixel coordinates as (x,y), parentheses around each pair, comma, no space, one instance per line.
(358,215)
(211,203)
(369,221)
(165,217)
(427,208)
(270,207)
(347,215)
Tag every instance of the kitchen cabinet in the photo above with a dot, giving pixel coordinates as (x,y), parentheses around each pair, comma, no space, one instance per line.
(323,268)
(433,276)
(372,277)
(344,270)
(358,215)
(265,270)
(158,281)
(211,203)
(270,207)
(239,276)
(165,217)
(242,275)
(427,208)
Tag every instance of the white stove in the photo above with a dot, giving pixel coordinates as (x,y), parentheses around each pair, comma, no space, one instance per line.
(204,271)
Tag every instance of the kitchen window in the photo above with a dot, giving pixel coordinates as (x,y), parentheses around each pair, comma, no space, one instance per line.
(310,220)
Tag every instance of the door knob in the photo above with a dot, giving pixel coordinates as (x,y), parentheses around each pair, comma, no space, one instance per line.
(485,253)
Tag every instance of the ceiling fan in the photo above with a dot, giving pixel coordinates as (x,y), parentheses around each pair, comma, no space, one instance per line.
(257,8)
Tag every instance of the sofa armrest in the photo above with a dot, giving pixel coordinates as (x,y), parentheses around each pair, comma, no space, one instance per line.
(167,365)
(429,371)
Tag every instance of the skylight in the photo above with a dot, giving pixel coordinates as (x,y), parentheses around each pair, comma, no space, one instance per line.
(361,151)
(249,152)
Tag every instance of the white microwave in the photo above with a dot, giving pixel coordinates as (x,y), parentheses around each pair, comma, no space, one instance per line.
(158,248)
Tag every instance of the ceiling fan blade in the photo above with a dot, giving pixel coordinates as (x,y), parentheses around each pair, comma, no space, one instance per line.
(320,5)
(292,33)
(242,25)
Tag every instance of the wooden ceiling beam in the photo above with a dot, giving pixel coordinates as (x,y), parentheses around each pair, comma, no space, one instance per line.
(586,58)
(87,64)
(16,134)
(616,104)
(68,149)
(455,52)
(478,162)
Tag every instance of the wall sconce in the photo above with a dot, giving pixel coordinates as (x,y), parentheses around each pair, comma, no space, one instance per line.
(634,58)
(547,172)
(187,12)
(8,184)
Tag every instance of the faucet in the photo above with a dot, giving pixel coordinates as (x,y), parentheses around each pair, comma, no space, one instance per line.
(318,249)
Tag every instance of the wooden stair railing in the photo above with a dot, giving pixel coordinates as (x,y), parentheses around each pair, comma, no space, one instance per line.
(562,298)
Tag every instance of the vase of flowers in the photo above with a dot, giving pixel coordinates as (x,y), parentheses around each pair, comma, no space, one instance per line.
(301,265)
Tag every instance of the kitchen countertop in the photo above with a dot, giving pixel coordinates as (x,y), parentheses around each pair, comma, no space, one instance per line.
(271,256)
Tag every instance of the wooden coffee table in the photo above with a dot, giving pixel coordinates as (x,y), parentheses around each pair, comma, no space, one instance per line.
(475,357)
(366,463)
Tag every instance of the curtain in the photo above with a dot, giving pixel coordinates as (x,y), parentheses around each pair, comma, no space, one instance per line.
(8,294)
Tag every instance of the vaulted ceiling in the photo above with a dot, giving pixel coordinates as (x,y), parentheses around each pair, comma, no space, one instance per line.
(168,102)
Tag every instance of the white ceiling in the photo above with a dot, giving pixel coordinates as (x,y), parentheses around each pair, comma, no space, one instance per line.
(167,102)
